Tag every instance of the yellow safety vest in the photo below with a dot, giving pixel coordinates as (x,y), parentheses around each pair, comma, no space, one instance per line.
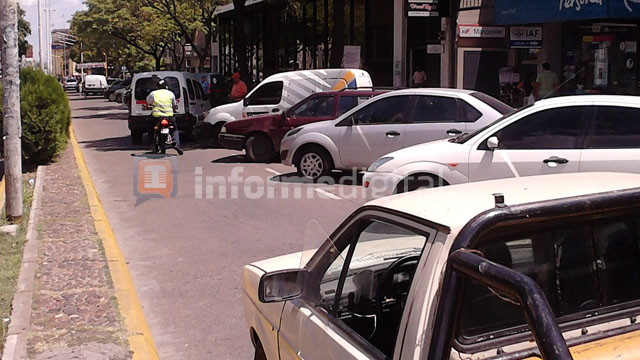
(162,103)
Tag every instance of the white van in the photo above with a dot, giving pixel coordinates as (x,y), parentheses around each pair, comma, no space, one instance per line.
(279,92)
(191,98)
(94,85)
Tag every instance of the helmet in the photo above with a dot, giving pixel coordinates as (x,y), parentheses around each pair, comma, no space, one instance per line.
(162,84)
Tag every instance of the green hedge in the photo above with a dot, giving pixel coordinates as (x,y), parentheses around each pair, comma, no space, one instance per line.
(45,113)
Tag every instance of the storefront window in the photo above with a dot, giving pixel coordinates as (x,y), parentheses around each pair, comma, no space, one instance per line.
(600,58)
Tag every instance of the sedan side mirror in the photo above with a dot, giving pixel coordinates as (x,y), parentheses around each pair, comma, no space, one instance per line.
(281,285)
(493,143)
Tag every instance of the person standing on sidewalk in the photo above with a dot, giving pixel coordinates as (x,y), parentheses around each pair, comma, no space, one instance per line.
(239,89)
(419,78)
(546,83)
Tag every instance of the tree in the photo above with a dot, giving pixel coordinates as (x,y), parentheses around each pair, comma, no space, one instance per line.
(121,28)
(24,30)
(190,17)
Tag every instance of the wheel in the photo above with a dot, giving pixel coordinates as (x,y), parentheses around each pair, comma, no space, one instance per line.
(136,137)
(260,148)
(118,98)
(112,97)
(419,181)
(215,131)
(314,163)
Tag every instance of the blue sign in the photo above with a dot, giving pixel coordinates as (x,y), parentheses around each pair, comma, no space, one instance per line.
(529,11)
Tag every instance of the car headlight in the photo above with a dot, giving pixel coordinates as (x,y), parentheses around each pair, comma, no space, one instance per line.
(223,129)
(378,163)
(293,132)
(205,114)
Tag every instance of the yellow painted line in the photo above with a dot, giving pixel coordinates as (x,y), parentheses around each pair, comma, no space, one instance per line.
(2,193)
(139,335)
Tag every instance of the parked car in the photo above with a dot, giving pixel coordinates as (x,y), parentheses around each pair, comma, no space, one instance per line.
(71,84)
(385,123)
(279,92)
(472,271)
(193,103)
(119,94)
(94,85)
(558,135)
(261,135)
(109,92)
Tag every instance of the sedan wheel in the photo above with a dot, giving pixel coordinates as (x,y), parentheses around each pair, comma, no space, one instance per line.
(313,164)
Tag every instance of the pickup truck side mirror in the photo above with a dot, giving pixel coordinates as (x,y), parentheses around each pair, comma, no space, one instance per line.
(281,285)
(493,143)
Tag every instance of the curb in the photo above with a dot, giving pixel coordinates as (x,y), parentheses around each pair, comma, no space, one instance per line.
(139,335)
(16,343)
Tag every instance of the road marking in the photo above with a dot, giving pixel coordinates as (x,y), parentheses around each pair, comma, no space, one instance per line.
(327,194)
(111,112)
(274,172)
(139,335)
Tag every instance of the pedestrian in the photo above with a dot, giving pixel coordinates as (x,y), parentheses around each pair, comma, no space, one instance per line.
(239,89)
(419,78)
(527,86)
(205,85)
(546,82)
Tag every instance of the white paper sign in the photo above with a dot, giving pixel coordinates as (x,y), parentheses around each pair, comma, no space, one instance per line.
(351,57)
(475,31)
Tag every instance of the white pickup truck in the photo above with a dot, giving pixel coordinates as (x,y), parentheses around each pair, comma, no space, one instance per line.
(526,268)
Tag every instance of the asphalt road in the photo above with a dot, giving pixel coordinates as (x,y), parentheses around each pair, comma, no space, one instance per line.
(186,253)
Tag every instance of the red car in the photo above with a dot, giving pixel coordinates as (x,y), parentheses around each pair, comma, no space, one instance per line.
(261,135)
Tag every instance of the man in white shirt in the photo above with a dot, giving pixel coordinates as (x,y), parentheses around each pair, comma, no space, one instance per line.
(419,78)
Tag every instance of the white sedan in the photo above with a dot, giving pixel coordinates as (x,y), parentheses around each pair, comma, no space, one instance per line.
(559,135)
(392,282)
(386,123)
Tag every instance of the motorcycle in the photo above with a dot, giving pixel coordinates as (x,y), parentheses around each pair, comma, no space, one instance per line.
(162,136)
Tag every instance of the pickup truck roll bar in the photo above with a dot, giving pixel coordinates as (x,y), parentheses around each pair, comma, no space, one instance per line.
(525,291)
(476,229)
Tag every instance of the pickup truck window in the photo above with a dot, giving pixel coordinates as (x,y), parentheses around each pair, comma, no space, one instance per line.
(371,280)
(585,270)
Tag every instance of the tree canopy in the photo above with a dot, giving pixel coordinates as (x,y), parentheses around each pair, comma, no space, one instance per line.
(24,30)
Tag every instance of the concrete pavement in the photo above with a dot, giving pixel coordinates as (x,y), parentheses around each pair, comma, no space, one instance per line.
(185,254)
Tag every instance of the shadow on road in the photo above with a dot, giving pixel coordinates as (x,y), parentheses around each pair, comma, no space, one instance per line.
(123,143)
(113,116)
(232,159)
(337,177)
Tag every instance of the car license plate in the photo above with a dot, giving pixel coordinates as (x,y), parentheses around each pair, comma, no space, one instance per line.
(165,131)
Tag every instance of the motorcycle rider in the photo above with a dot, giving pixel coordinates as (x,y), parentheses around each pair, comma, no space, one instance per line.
(163,102)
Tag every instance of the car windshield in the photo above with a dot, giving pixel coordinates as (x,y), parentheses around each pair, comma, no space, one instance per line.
(463,138)
(145,86)
(496,104)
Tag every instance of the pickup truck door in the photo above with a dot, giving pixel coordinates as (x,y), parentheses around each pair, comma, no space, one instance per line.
(374,264)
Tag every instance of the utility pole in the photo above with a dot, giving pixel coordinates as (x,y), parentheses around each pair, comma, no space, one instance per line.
(11,105)
(40,44)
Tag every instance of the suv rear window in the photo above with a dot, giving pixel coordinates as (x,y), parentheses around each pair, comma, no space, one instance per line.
(584,269)
(145,86)
(496,104)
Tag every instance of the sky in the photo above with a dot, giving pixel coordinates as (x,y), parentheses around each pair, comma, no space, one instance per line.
(64,9)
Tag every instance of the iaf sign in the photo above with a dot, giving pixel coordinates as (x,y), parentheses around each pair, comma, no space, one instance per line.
(525,37)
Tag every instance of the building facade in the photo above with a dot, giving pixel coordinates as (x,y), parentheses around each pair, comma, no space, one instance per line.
(486,45)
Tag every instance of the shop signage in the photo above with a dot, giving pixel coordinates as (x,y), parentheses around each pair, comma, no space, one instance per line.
(90,65)
(422,8)
(527,12)
(525,37)
(476,31)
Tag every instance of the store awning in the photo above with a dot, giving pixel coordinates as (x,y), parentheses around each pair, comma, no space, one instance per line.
(510,12)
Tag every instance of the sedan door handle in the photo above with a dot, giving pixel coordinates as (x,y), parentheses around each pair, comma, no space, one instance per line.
(555,160)
(392,133)
(452,132)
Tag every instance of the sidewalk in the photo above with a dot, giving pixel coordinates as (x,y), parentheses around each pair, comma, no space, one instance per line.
(74,313)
